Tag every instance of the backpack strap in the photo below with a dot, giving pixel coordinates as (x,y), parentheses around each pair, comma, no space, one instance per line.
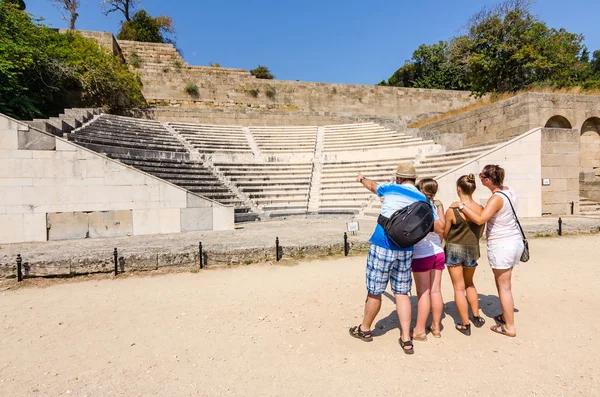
(515,214)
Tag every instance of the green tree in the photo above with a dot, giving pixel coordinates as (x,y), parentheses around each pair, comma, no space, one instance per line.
(429,67)
(42,71)
(507,49)
(503,49)
(262,72)
(146,28)
(20,4)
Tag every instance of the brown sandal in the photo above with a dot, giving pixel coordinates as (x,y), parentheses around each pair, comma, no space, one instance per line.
(438,335)
(499,329)
(420,337)
(360,334)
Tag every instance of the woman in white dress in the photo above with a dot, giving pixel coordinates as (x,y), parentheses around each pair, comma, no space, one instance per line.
(504,241)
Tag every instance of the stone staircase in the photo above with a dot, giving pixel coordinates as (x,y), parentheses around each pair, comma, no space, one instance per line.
(66,122)
(588,207)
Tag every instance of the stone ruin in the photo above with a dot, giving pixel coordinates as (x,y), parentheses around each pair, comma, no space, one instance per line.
(227,155)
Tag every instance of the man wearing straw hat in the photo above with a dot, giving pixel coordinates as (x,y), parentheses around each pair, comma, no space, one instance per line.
(387,261)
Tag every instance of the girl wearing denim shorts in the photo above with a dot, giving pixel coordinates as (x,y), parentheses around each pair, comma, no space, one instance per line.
(462,252)
(427,267)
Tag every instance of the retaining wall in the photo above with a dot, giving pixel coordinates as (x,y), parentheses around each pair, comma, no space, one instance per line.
(509,118)
(52,189)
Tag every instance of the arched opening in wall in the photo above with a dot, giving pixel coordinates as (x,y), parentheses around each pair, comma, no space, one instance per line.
(558,122)
(589,145)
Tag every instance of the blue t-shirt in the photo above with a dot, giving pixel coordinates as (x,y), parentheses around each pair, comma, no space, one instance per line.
(395,197)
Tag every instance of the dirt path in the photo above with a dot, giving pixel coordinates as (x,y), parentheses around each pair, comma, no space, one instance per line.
(282,331)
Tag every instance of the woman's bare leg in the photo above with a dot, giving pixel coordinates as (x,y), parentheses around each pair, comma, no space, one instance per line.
(458,282)
(503,280)
(437,302)
(422,281)
(472,297)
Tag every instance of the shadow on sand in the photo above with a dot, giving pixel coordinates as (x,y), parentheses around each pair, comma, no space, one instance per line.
(489,305)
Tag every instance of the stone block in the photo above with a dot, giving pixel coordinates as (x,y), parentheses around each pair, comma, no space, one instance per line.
(223,217)
(196,219)
(110,223)
(195,201)
(173,194)
(11,195)
(170,220)
(65,146)
(35,140)
(67,226)
(11,228)
(8,139)
(11,167)
(34,227)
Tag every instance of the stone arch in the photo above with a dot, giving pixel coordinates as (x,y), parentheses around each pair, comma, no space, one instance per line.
(558,121)
(589,145)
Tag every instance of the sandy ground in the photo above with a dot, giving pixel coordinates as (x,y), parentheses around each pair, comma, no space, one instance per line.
(282,331)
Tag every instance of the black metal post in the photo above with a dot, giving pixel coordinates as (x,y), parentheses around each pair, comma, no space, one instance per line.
(572,207)
(277,255)
(116,255)
(559,226)
(200,256)
(346,244)
(19,271)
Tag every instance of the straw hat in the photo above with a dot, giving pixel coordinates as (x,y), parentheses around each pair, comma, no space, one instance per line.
(406,170)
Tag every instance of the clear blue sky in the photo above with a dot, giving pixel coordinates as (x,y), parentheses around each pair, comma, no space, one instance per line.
(351,41)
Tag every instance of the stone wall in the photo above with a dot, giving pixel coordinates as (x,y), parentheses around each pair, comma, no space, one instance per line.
(260,117)
(53,189)
(508,118)
(590,187)
(560,167)
(520,158)
(165,76)
(105,39)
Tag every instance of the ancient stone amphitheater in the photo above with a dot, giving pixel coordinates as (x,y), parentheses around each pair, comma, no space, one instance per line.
(243,149)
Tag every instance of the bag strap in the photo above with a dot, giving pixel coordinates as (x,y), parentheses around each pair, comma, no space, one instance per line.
(515,214)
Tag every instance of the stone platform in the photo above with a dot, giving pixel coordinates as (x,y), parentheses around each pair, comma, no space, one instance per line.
(248,243)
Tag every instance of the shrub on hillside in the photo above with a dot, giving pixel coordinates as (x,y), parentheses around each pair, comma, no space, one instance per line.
(262,72)
(144,27)
(270,92)
(192,90)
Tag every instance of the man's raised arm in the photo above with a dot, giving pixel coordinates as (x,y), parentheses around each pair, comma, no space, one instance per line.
(369,184)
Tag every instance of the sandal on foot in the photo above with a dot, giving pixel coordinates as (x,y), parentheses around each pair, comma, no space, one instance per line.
(499,329)
(432,330)
(464,329)
(360,334)
(500,319)
(478,321)
(420,337)
(408,344)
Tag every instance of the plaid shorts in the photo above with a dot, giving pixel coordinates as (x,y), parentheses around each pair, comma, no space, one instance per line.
(385,265)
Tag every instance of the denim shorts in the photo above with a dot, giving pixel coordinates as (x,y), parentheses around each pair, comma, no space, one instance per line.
(385,265)
(452,261)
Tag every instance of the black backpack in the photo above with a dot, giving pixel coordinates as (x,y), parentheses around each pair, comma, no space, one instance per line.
(408,225)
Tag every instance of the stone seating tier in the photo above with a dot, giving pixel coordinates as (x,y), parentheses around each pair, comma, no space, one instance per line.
(391,145)
(83,140)
(129,129)
(94,131)
(366,137)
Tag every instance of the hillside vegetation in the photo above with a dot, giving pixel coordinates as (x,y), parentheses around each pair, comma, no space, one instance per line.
(503,49)
(43,71)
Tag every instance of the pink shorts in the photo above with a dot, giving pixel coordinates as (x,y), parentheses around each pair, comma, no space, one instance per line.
(435,262)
